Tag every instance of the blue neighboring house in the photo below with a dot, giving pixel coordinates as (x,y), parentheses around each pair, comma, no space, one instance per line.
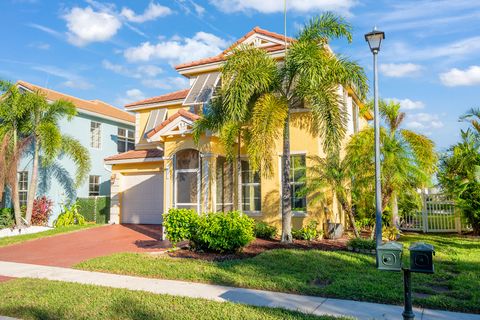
(102,128)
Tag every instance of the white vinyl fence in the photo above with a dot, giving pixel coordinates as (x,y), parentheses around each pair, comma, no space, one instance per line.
(438,215)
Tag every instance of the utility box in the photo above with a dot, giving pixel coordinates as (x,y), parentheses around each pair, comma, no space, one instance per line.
(389,256)
(421,257)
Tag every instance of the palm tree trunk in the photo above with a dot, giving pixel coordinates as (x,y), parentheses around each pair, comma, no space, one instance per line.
(286,188)
(395,217)
(238,203)
(32,188)
(351,217)
(14,185)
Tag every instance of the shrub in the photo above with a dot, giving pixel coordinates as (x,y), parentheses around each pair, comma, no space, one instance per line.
(265,231)
(391,233)
(308,232)
(223,232)
(179,224)
(69,216)
(41,211)
(95,209)
(363,223)
(7,218)
(359,243)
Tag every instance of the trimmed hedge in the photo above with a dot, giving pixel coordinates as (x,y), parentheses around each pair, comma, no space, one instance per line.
(95,209)
(216,231)
(265,231)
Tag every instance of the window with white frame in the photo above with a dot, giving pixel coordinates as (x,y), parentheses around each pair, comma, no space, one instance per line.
(95,134)
(23,187)
(251,190)
(125,140)
(224,185)
(356,117)
(93,186)
(297,182)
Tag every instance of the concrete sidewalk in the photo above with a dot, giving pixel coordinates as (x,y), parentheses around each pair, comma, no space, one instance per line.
(305,304)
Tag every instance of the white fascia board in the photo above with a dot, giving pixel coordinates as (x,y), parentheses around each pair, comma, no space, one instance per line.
(173,124)
(155,105)
(141,160)
(98,115)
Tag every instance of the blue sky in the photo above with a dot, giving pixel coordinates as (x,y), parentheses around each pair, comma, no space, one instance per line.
(122,51)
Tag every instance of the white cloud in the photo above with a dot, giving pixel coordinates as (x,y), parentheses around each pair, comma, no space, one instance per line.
(153,11)
(86,25)
(138,73)
(168,83)
(130,96)
(423,121)
(78,84)
(39,45)
(73,80)
(456,77)
(399,70)
(273,6)
(177,50)
(407,104)
(46,29)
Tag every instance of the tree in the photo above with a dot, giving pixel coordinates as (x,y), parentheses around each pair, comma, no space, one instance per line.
(332,176)
(408,158)
(43,128)
(473,117)
(459,176)
(258,94)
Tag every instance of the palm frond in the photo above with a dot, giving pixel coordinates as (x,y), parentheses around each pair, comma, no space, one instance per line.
(49,138)
(73,149)
(423,150)
(327,26)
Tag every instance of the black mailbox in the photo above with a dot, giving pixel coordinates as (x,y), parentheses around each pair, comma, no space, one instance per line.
(421,257)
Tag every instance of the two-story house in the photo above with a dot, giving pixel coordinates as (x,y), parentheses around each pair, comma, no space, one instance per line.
(102,128)
(167,169)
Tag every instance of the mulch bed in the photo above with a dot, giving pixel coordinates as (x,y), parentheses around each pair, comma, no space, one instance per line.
(260,245)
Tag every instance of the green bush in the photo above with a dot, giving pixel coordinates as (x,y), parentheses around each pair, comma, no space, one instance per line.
(70,216)
(359,243)
(7,218)
(179,224)
(265,231)
(223,232)
(95,209)
(308,232)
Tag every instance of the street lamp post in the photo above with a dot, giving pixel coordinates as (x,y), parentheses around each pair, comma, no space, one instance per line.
(374,40)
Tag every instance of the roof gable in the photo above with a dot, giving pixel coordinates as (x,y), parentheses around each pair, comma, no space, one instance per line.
(178,124)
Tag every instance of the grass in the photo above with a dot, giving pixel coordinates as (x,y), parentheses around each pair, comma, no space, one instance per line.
(26,237)
(43,299)
(454,286)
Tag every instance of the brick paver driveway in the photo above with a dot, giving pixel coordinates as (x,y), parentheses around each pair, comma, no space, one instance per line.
(66,250)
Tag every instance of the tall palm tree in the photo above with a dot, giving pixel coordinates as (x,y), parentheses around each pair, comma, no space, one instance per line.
(43,127)
(473,117)
(332,177)
(408,158)
(259,92)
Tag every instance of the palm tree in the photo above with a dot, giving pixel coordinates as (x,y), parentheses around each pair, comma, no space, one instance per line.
(49,142)
(331,176)
(408,158)
(473,117)
(258,93)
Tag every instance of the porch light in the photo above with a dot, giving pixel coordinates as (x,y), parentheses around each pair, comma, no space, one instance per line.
(374,39)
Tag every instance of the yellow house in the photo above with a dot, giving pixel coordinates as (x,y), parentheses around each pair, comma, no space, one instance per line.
(167,169)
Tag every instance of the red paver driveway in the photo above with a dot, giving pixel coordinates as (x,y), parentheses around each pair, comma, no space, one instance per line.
(66,250)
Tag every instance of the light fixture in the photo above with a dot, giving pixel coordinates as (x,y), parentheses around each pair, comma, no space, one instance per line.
(374,39)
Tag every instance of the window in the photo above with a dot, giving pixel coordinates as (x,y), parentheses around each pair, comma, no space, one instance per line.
(356,117)
(23,187)
(125,140)
(224,178)
(95,135)
(251,192)
(297,182)
(187,179)
(93,186)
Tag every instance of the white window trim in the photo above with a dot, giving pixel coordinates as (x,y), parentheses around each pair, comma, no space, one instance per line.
(27,184)
(256,213)
(175,193)
(99,135)
(99,183)
(300,214)
(126,138)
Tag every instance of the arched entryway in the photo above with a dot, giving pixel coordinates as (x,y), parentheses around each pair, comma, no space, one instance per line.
(187,179)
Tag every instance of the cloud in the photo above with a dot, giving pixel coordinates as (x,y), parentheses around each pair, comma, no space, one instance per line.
(153,11)
(177,49)
(169,83)
(138,72)
(39,45)
(274,6)
(86,26)
(423,121)
(45,29)
(407,104)
(399,70)
(456,77)
(72,79)
(130,96)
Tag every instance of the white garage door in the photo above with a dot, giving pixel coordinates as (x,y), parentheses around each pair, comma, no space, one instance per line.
(142,199)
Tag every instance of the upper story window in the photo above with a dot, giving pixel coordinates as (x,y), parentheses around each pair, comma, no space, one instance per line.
(297,182)
(95,134)
(125,140)
(23,187)
(251,190)
(93,186)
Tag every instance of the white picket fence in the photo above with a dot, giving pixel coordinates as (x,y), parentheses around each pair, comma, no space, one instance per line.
(438,215)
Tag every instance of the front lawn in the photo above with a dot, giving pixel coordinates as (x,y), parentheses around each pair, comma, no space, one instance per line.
(22,238)
(454,286)
(43,299)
